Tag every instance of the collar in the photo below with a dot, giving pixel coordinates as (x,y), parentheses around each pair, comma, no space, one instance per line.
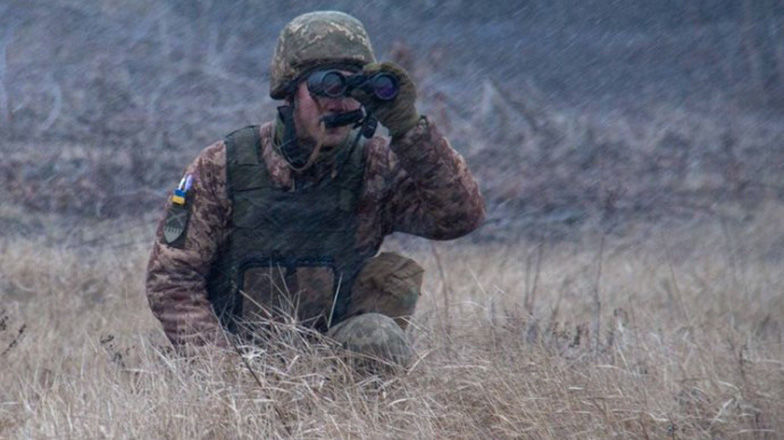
(328,162)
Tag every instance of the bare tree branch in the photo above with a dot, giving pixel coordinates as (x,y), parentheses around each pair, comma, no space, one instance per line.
(5,110)
(777,35)
(215,64)
(57,105)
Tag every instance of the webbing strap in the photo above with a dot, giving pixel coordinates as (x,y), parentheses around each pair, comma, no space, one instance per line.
(245,168)
(244,136)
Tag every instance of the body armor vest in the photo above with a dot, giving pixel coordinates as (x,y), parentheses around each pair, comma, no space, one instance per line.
(289,252)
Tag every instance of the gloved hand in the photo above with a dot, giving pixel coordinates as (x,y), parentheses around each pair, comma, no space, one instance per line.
(398,115)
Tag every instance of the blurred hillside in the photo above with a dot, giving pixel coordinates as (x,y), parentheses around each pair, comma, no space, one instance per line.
(567,111)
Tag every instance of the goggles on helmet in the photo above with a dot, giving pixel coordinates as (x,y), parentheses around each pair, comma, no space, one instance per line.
(333,83)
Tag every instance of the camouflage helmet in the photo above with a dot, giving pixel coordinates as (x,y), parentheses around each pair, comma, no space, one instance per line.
(315,38)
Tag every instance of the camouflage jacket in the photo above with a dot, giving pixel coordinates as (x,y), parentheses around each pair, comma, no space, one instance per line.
(417,185)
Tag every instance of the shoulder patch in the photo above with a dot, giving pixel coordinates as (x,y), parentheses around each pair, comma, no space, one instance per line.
(178,214)
(175,224)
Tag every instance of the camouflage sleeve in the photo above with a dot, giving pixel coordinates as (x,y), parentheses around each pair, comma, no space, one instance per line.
(177,272)
(434,194)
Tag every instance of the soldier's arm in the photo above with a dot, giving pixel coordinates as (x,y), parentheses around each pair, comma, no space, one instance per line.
(433,194)
(177,271)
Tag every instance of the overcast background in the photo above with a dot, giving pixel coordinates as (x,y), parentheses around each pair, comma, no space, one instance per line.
(566,110)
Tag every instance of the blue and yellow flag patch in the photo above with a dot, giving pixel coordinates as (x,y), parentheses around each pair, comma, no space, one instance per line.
(178,214)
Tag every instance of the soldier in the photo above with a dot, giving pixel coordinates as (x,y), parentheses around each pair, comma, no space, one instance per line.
(286,218)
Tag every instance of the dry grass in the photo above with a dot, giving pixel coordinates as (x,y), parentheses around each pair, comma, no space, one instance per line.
(690,346)
(666,332)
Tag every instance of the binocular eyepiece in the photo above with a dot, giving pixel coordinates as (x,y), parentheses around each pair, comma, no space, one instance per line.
(334,84)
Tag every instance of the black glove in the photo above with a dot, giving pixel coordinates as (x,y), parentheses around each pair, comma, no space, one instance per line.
(398,115)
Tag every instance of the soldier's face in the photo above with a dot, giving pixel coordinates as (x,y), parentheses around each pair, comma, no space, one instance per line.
(309,110)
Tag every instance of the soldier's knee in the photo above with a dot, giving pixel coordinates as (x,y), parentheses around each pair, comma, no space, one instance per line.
(376,336)
(389,284)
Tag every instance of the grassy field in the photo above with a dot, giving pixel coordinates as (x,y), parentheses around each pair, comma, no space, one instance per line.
(627,283)
(671,331)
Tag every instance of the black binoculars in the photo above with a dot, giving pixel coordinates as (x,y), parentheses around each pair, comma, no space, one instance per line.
(334,84)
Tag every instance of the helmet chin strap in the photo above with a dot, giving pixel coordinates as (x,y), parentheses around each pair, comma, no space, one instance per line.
(313,154)
(289,147)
